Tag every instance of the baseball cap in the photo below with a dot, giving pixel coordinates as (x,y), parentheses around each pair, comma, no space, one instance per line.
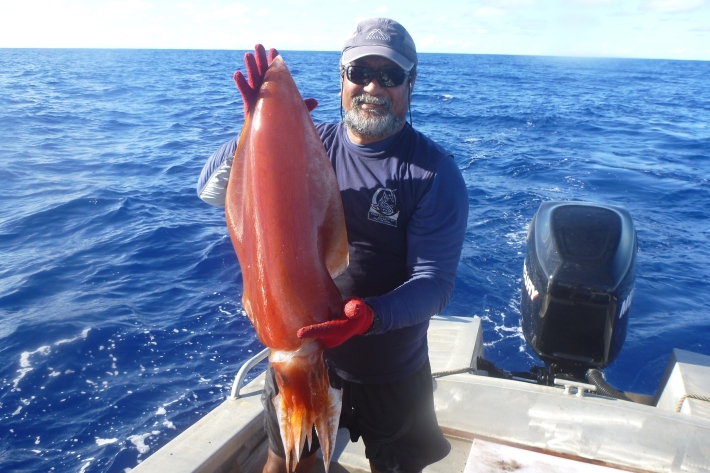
(380,37)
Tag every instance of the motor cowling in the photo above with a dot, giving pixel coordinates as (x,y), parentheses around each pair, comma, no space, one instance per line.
(578,280)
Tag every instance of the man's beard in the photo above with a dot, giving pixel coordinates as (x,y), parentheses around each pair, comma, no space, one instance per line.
(371,123)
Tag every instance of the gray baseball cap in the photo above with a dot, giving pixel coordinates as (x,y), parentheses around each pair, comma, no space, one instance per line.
(380,37)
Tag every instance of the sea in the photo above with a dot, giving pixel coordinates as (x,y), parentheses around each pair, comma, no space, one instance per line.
(121,321)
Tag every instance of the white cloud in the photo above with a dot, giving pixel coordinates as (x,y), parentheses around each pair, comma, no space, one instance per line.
(673,6)
(509,4)
(426,41)
(235,9)
(592,3)
(127,7)
(323,39)
(578,20)
(233,13)
(186,7)
(488,12)
(551,27)
(532,25)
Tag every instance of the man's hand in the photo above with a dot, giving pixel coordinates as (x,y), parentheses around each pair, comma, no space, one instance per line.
(356,319)
(256,65)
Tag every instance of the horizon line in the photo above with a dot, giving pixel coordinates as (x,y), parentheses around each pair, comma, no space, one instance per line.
(562,56)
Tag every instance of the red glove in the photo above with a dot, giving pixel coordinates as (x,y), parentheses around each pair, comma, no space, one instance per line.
(257,65)
(355,320)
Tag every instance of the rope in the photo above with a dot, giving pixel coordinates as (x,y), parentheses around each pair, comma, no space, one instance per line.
(439,374)
(691,396)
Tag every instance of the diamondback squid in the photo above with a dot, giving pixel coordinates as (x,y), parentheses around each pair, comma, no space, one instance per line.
(286,221)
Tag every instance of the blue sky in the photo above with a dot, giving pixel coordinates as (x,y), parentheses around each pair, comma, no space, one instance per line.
(675,29)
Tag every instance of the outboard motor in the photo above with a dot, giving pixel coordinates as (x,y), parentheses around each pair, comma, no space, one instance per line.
(578,280)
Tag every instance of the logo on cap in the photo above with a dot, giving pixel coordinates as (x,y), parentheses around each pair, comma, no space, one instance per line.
(378,34)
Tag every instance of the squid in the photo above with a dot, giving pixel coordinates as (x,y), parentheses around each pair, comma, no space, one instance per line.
(286,222)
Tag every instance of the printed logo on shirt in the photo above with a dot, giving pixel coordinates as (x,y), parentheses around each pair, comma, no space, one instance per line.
(384,207)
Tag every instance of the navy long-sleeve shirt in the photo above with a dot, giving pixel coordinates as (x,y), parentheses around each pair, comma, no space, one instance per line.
(406,208)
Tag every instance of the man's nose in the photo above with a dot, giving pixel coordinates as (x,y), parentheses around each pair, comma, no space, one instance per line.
(373,87)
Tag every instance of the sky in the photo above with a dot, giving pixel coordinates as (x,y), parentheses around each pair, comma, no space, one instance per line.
(669,29)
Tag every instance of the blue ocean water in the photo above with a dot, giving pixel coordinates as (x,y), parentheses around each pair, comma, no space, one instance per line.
(120,314)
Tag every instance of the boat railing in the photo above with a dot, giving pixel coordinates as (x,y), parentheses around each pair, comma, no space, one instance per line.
(249,364)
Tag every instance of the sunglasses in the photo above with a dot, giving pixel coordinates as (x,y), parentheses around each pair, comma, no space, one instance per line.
(386,78)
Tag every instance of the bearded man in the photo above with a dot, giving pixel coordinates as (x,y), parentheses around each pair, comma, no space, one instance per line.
(406,208)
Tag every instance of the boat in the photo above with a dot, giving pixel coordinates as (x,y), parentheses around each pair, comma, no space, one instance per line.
(563,416)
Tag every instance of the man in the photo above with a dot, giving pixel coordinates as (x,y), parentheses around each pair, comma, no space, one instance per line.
(406,207)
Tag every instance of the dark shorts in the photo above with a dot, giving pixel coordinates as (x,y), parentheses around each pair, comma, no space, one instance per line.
(396,421)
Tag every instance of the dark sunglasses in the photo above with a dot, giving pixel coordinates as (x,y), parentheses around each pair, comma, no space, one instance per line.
(386,78)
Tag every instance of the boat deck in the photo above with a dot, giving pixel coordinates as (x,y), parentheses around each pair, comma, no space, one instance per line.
(493,425)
